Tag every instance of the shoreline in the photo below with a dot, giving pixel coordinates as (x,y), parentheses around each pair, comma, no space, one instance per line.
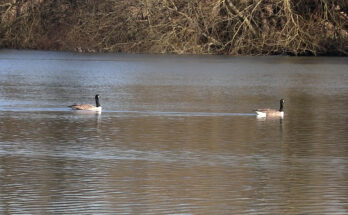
(208,27)
(13,54)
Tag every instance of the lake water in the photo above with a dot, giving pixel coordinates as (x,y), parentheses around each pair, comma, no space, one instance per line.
(177,135)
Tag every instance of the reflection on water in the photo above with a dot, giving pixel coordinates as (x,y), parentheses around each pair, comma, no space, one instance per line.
(177,135)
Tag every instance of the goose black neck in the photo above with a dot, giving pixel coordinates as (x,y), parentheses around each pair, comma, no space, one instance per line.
(97,101)
(281,106)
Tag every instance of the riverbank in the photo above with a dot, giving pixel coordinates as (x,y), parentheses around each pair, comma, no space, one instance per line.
(228,27)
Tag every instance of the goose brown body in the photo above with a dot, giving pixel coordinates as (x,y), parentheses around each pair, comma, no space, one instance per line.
(88,106)
(271,112)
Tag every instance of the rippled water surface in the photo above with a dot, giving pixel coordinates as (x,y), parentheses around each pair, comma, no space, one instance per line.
(177,135)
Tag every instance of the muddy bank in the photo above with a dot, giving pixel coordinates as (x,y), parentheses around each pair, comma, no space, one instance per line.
(230,27)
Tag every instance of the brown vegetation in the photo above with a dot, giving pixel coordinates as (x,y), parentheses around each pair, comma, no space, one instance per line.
(231,27)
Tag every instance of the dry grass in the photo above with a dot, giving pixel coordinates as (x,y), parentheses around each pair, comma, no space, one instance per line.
(231,27)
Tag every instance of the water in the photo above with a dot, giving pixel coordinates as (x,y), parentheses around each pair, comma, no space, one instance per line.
(177,135)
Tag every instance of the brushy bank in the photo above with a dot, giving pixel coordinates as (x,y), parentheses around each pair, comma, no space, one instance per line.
(231,27)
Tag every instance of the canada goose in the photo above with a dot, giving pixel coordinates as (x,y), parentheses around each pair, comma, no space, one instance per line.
(271,112)
(88,106)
